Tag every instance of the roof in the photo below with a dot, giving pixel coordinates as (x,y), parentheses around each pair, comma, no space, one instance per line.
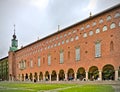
(3,58)
(62,30)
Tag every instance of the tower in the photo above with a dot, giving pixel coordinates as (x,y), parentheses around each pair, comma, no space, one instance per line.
(14,44)
(11,57)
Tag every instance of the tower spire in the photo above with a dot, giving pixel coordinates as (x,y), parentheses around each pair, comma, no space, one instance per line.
(14,43)
(58,27)
(14,29)
(14,36)
(90,14)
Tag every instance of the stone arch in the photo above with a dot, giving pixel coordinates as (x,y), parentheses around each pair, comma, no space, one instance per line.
(26,76)
(31,77)
(22,77)
(53,76)
(47,76)
(35,77)
(61,75)
(81,73)
(93,73)
(41,76)
(108,72)
(70,74)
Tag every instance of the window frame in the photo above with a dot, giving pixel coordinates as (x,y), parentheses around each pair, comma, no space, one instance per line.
(108,18)
(87,26)
(49,59)
(97,49)
(112,25)
(97,31)
(117,15)
(94,24)
(85,35)
(31,63)
(76,37)
(61,56)
(77,53)
(91,33)
(39,62)
(101,21)
(105,28)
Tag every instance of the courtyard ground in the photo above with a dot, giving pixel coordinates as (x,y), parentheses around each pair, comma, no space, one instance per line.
(60,87)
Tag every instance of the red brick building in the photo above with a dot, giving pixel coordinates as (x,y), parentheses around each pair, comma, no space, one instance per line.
(87,50)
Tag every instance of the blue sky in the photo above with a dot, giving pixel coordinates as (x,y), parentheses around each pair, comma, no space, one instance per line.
(38,18)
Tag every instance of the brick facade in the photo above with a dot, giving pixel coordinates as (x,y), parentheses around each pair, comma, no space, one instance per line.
(82,35)
(4,68)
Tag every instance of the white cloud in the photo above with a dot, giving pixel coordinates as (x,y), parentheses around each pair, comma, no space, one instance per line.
(40,4)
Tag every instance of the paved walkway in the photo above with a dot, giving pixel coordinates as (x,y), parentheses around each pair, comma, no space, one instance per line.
(116,87)
(53,90)
(58,89)
(114,84)
(8,88)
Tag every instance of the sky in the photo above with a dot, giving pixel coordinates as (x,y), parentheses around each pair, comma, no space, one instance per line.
(35,19)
